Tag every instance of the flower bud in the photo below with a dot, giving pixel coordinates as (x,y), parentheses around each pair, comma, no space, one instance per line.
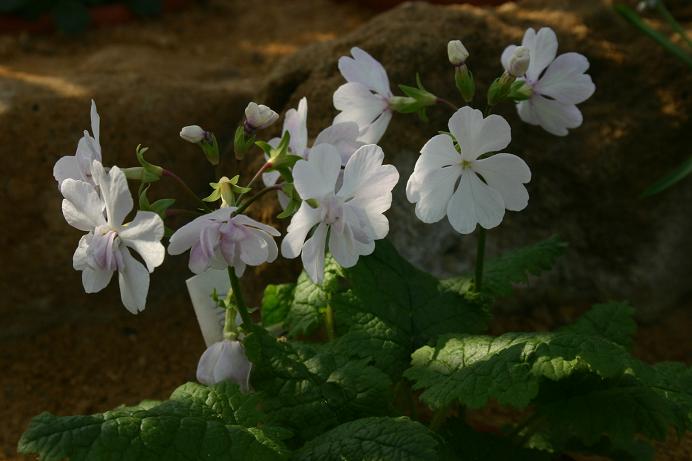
(457,52)
(258,116)
(463,79)
(193,134)
(225,361)
(519,62)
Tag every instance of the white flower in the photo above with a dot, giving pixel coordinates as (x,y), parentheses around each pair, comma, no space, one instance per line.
(353,217)
(78,166)
(218,240)
(558,84)
(106,248)
(225,361)
(519,61)
(193,133)
(457,52)
(432,185)
(365,98)
(343,136)
(259,116)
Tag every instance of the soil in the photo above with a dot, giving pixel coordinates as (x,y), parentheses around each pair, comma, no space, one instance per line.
(97,358)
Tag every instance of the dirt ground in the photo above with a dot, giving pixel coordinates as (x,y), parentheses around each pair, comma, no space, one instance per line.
(108,357)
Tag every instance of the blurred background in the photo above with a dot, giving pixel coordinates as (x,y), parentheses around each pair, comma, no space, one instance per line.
(154,66)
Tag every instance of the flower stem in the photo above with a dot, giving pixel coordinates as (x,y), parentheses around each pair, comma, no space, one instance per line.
(240,301)
(262,169)
(183,185)
(329,321)
(450,104)
(480,259)
(250,200)
(672,22)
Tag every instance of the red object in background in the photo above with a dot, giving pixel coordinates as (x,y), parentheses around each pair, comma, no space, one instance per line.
(387,4)
(103,15)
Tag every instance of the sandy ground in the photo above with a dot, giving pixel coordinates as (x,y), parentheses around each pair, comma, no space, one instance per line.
(110,357)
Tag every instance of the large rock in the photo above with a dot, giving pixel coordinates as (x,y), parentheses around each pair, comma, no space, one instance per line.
(585,186)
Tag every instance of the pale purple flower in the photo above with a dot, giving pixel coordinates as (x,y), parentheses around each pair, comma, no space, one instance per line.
(106,247)
(433,184)
(365,98)
(353,216)
(78,166)
(220,239)
(259,116)
(558,84)
(225,361)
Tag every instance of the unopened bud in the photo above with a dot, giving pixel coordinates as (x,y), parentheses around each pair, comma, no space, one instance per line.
(193,134)
(457,52)
(519,62)
(258,116)
(463,79)
(225,361)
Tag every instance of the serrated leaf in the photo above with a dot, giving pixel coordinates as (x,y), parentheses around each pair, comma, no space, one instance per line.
(174,430)
(276,302)
(516,266)
(613,321)
(309,389)
(373,439)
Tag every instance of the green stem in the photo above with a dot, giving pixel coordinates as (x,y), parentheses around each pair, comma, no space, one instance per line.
(240,301)
(448,103)
(329,322)
(674,24)
(439,418)
(229,326)
(480,259)
(183,185)
(250,200)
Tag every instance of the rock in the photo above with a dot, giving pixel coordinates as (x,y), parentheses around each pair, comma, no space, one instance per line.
(585,186)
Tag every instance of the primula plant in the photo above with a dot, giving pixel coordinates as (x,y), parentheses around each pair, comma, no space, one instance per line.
(364,357)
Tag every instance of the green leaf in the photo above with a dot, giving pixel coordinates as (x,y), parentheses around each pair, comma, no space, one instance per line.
(516,266)
(309,389)
(276,303)
(191,427)
(670,179)
(373,439)
(613,321)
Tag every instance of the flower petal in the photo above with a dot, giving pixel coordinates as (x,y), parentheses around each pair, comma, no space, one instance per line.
(80,258)
(115,192)
(316,177)
(313,254)
(372,133)
(507,174)
(365,176)
(144,235)
(542,49)
(243,220)
(358,104)
(342,247)
(133,278)
(432,192)
(474,203)
(82,207)
(565,80)
(554,116)
(477,135)
(343,136)
(94,279)
(67,167)
(365,69)
(95,123)
(437,153)
(506,55)
(184,238)
(295,122)
(301,223)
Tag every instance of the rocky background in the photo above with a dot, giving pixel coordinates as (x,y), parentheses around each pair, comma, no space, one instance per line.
(66,352)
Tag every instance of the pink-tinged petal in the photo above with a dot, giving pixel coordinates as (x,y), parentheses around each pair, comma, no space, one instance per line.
(95,123)
(253,249)
(184,238)
(115,192)
(432,192)
(507,174)
(342,247)
(67,167)
(372,133)
(343,136)
(199,261)
(82,207)
(95,279)
(313,254)
(301,223)
(316,177)
(144,235)
(295,122)
(358,104)
(365,69)
(506,55)
(477,135)
(365,176)
(555,117)
(133,278)
(225,361)
(542,49)
(474,203)
(209,239)
(272,248)
(565,80)
(246,221)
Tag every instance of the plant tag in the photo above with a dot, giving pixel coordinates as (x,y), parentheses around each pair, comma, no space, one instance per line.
(209,316)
